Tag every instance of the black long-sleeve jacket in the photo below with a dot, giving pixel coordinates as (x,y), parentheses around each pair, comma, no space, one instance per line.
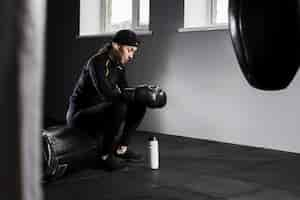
(102,79)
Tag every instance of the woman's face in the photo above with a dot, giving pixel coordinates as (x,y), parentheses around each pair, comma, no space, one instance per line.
(126,53)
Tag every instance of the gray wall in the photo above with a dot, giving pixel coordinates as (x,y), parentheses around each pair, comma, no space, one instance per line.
(208,97)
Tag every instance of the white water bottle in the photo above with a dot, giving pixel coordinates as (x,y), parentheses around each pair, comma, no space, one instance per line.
(153,153)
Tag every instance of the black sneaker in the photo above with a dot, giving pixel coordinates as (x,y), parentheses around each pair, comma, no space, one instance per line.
(130,156)
(111,163)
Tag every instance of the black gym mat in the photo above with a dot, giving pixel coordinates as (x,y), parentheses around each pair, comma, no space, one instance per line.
(189,169)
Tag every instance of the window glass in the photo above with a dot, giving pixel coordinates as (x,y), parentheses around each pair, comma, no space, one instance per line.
(222,11)
(205,13)
(89,17)
(121,14)
(196,13)
(144,12)
(106,16)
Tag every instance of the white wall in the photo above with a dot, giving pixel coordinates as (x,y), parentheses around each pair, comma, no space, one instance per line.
(208,97)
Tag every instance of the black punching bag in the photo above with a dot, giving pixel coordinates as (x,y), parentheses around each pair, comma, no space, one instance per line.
(265,37)
(66,149)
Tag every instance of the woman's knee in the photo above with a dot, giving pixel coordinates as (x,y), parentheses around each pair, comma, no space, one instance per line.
(137,109)
(120,109)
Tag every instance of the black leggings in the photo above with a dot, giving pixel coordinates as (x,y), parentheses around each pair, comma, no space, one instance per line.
(107,118)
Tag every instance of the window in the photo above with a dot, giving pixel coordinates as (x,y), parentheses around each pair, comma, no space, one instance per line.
(108,16)
(205,14)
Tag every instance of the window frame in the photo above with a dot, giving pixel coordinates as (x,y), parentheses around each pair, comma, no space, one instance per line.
(106,9)
(211,24)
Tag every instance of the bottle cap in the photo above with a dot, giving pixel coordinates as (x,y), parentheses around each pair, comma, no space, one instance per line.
(152,138)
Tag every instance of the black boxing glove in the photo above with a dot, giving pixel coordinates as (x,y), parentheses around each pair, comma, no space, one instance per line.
(151,96)
(148,95)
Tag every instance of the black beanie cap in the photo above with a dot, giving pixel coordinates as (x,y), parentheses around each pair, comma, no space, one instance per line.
(126,37)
